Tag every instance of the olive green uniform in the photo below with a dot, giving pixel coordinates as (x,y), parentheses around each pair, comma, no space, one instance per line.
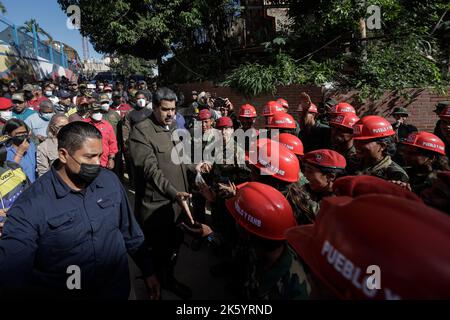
(385,169)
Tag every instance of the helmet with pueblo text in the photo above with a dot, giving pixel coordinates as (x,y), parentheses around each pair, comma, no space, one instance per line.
(271,108)
(291,142)
(344,120)
(262,210)
(281,121)
(357,253)
(372,127)
(425,140)
(342,107)
(275,160)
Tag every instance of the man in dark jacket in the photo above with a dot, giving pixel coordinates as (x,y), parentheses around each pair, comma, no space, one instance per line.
(161,187)
(69,234)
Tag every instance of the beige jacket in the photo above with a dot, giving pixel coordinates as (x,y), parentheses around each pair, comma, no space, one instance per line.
(47,152)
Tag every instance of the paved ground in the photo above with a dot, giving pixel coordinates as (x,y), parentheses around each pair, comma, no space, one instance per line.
(192,269)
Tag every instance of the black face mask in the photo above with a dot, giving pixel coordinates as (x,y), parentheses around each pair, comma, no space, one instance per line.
(18,140)
(88,172)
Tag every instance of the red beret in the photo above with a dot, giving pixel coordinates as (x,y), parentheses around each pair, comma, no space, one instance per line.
(5,103)
(224,122)
(326,159)
(204,114)
(355,186)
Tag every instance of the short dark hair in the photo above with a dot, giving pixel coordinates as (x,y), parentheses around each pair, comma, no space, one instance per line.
(72,136)
(164,94)
(13,124)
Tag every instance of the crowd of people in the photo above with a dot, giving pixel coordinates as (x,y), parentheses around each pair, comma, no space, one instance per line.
(297,210)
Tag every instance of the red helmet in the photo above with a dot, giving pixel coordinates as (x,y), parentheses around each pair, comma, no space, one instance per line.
(204,114)
(425,140)
(5,103)
(313,108)
(372,127)
(247,111)
(275,160)
(355,186)
(224,122)
(291,142)
(445,114)
(281,121)
(342,107)
(271,108)
(346,120)
(325,158)
(262,211)
(406,241)
(283,103)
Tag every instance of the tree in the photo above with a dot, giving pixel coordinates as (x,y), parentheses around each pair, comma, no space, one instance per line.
(28,28)
(153,29)
(128,65)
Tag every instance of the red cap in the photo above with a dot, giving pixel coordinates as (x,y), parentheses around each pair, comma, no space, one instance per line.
(346,120)
(281,121)
(5,103)
(355,186)
(372,127)
(408,241)
(204,114)
(325,158)
(269,153)
(107,88)
(262,211)
(291,142)
(224,122)
(342,107)
(283,103)
(425,140)
(247,111)
(445,114)
(271,108)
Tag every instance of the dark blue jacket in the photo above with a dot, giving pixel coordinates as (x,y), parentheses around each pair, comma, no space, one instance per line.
(51,227)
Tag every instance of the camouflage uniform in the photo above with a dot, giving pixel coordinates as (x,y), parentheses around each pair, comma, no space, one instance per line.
(385,169)
(286,279)
(304,206)
(113,118)
(420,182)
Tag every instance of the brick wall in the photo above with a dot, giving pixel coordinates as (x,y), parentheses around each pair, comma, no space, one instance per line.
(420,107)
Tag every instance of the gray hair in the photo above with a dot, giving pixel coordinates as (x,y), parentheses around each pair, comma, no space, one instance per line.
(164,94)
(46,104)
(52,122)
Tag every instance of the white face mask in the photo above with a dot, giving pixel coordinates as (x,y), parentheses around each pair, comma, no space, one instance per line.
(141,103)
(105,107)
(48,93)
(109,95)
(100,87)
(6,115)
(97,116)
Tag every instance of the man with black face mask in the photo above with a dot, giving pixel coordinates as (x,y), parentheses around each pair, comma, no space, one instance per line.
(69,234)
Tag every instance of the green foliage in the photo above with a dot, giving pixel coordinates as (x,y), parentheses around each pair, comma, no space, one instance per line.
(128,65)
(395,66)
(253,79)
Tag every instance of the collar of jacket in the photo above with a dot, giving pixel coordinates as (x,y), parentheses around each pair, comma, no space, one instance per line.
(161,128)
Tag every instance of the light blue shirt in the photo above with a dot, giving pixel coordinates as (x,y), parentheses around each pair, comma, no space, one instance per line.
(37,125)
(28,161)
